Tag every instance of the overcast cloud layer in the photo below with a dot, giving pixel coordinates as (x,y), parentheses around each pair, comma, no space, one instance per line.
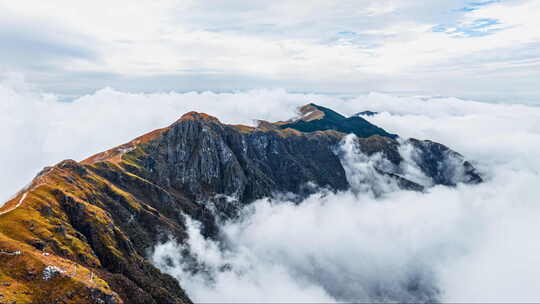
(480,49)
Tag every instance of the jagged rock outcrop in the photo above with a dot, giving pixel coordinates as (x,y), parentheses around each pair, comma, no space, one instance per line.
(442,164)
(98,219)
(366,113)
(203,158)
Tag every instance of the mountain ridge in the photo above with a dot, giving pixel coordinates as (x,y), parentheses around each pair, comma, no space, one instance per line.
(318,118)
(103,215)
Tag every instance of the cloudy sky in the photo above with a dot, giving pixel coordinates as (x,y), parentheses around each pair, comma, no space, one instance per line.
(480,49)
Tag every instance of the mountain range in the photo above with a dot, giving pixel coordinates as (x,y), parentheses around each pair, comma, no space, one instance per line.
(81,232)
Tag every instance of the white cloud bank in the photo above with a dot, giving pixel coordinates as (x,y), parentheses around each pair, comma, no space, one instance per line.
(474,243)
(465,245)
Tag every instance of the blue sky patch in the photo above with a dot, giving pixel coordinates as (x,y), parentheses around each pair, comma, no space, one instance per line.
(483,3)
(466,9)
(475,5)
(477,28)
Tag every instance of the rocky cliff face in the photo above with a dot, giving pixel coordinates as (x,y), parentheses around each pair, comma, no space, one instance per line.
(96,220)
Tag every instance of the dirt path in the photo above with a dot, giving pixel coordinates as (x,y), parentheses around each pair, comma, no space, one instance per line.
(21,200)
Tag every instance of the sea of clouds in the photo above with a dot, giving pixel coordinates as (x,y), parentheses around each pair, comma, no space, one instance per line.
(464,244)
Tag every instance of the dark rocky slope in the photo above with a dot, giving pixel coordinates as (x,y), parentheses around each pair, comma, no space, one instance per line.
(102,216)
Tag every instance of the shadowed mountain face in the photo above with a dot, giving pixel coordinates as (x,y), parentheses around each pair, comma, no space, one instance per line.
(95,222)
(317,118)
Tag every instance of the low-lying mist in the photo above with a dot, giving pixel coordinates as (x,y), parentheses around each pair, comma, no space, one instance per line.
(373,243)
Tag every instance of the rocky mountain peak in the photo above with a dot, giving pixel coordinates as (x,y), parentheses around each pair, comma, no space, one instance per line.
(310,112)
(198,116)
(313,117)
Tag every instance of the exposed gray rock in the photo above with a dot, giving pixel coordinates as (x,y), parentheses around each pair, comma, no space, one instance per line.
(226,166)
(205,159)
(51,272)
